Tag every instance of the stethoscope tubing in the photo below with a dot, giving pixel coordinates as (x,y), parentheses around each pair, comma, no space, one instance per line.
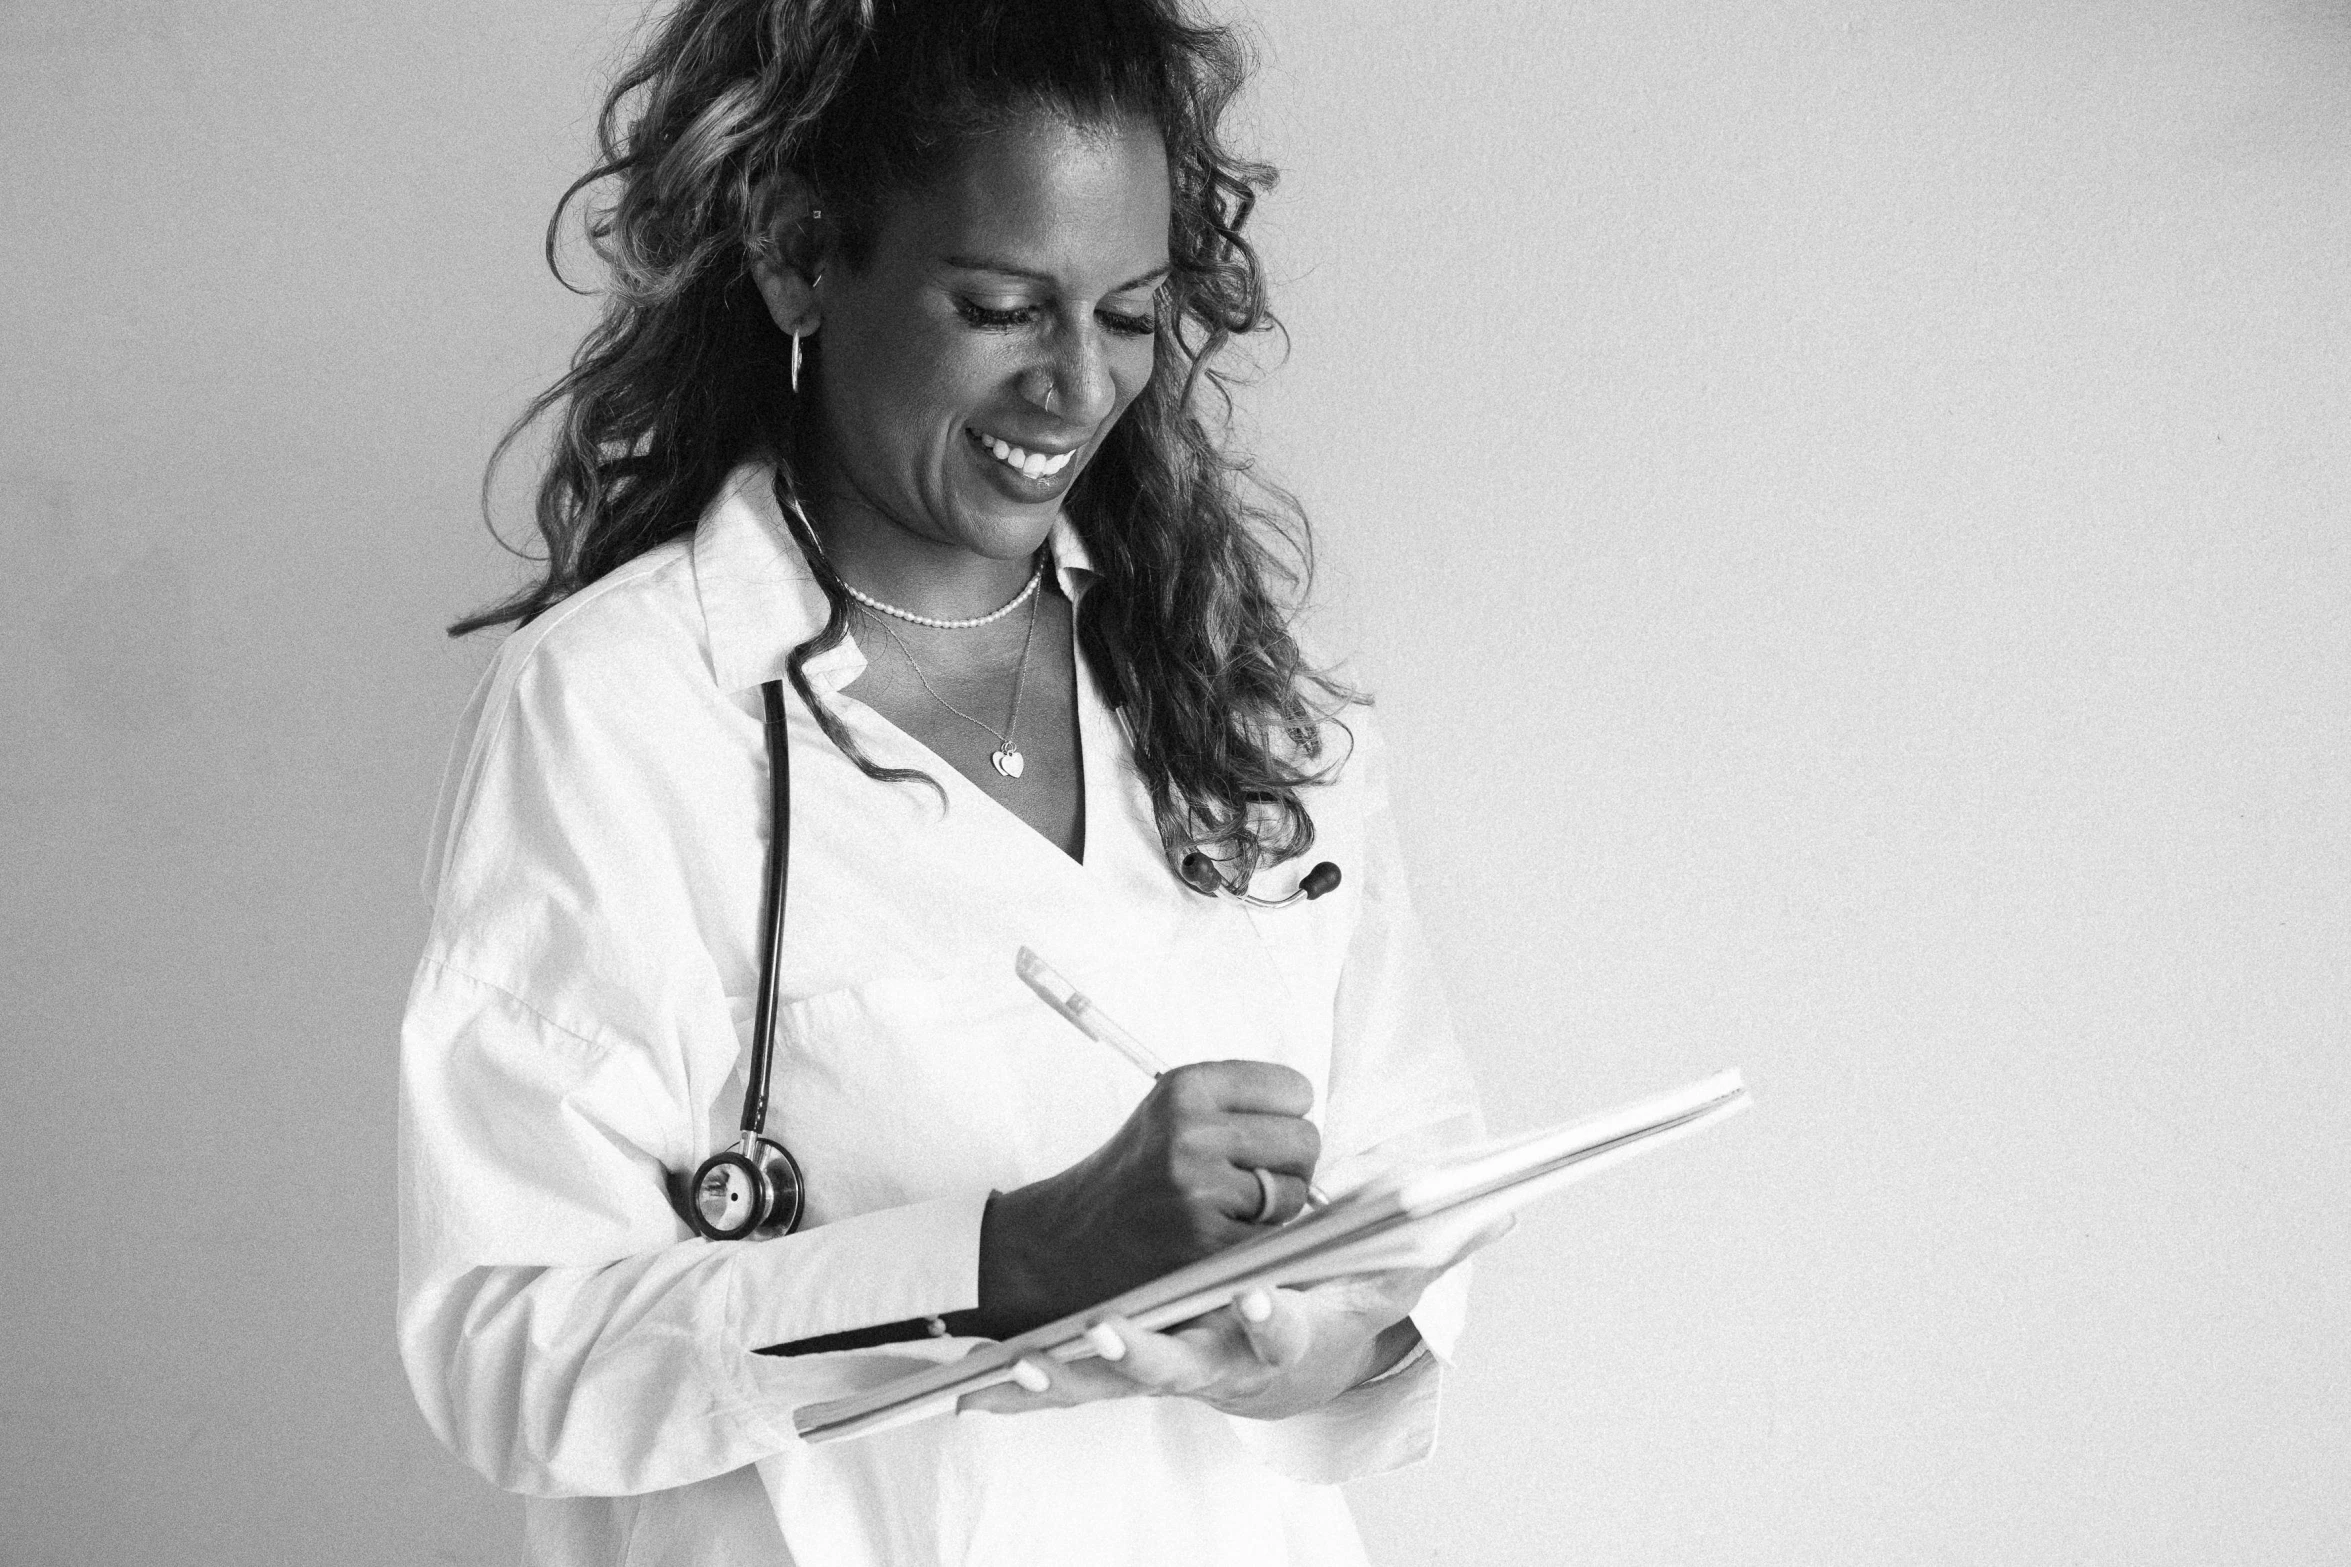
(779,866)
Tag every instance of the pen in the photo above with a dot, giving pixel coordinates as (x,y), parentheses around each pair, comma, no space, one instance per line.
(1090,1020)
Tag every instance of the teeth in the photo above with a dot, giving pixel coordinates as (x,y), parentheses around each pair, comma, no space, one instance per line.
(1035,465)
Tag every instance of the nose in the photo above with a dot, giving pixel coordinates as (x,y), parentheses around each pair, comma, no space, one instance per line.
(1073,381)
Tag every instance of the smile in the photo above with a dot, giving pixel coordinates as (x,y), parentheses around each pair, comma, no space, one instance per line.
(1031,465)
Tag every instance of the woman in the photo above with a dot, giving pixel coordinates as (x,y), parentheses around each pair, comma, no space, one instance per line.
(898,399)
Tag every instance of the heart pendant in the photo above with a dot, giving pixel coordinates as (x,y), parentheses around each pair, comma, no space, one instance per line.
(1009,762)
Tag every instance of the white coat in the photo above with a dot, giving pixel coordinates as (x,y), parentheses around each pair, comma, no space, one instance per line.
(579,1027)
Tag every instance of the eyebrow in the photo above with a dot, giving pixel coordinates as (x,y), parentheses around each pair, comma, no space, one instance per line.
(1005,269)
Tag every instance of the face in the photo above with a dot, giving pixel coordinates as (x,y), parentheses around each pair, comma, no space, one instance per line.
(1002,324)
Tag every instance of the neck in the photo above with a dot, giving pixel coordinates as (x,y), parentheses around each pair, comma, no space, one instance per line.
(894,562)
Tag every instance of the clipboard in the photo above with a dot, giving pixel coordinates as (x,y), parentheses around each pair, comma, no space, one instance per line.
(1412,1218)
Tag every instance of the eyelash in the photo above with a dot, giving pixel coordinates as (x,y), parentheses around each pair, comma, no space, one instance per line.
(981,316)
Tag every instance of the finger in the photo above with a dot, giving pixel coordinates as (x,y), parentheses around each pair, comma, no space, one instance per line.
(1277,1329)
(1276,1142)
(1160,1362)
(1068,1383)
(1380,1297)
(1260,1087)
(1005,1398)
(1244,1197)
(1032,1387)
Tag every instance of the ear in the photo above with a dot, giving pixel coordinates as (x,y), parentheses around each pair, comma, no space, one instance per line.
(790,250)
(789,293)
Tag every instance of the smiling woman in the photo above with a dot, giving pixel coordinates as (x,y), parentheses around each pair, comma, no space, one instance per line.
(967,375)
(756,143)
(898,401)
(973,367)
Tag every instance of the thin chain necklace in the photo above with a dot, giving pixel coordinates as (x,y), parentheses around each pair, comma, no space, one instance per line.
(870,602)
(1006,756)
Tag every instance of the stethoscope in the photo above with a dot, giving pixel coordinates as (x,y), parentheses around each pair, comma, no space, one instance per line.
(755,1186)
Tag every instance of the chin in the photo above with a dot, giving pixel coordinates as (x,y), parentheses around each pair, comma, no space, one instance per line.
(1005,532)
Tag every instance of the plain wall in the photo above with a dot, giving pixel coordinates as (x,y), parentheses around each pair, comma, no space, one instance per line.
(1843,508)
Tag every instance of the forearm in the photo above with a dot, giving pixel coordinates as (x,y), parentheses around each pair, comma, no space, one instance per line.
(636,1375)
(580,1381)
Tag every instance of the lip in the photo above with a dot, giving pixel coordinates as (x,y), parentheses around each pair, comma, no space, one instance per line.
(1011,482)
(1049,448)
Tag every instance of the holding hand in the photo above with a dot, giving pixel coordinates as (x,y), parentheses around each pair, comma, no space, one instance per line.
(1270,1354)
(1176,1183)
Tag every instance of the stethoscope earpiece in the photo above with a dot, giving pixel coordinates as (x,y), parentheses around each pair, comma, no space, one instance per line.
(1311,886)
(1318,881)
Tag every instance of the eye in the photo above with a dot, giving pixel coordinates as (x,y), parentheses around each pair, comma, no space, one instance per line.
(1128,324)
(994,318)
(1135,315)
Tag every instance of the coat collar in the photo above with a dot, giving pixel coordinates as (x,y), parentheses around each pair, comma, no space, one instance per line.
(760,600)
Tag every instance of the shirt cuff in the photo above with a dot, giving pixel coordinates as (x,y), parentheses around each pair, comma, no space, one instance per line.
(1375,1426)
(1405,1362)
(920,1260)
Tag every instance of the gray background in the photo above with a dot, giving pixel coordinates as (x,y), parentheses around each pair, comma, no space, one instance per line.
(1843,505)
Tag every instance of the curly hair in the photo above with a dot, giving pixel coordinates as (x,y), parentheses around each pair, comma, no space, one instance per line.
(731,104)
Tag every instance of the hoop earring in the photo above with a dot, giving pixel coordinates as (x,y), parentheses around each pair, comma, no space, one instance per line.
(815,216)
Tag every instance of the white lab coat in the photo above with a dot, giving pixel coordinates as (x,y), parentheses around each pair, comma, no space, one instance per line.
(580,1023)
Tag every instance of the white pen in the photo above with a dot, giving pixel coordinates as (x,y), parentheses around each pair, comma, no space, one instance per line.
(1090,1020)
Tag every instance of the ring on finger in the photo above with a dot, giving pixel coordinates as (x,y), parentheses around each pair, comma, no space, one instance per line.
(1267,1197)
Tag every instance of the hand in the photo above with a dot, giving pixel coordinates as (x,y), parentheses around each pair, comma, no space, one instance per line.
(1270,1354)
(1176,1183)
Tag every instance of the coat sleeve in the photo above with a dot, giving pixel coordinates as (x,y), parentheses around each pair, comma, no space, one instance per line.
(566,1035)
(1399,1089)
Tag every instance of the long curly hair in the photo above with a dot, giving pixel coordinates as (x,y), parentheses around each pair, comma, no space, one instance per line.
(854,103)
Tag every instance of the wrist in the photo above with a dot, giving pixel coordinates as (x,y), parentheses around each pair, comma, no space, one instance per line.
(1011,1286)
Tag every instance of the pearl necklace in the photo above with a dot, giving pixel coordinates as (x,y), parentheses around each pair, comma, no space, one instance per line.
(1015,602)
(792,502)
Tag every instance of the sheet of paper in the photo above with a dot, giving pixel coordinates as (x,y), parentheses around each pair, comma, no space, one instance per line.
(1413,1218)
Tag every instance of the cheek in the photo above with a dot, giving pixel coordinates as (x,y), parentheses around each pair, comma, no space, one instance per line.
(905,387)
(944,374)
(920,369)
(1131,364)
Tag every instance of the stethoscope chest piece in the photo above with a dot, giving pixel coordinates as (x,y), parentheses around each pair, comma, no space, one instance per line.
(754,1187)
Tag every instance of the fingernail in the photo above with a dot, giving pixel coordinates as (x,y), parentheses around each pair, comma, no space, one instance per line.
(1256,1306)
(1106,1341)
(1031,1376)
